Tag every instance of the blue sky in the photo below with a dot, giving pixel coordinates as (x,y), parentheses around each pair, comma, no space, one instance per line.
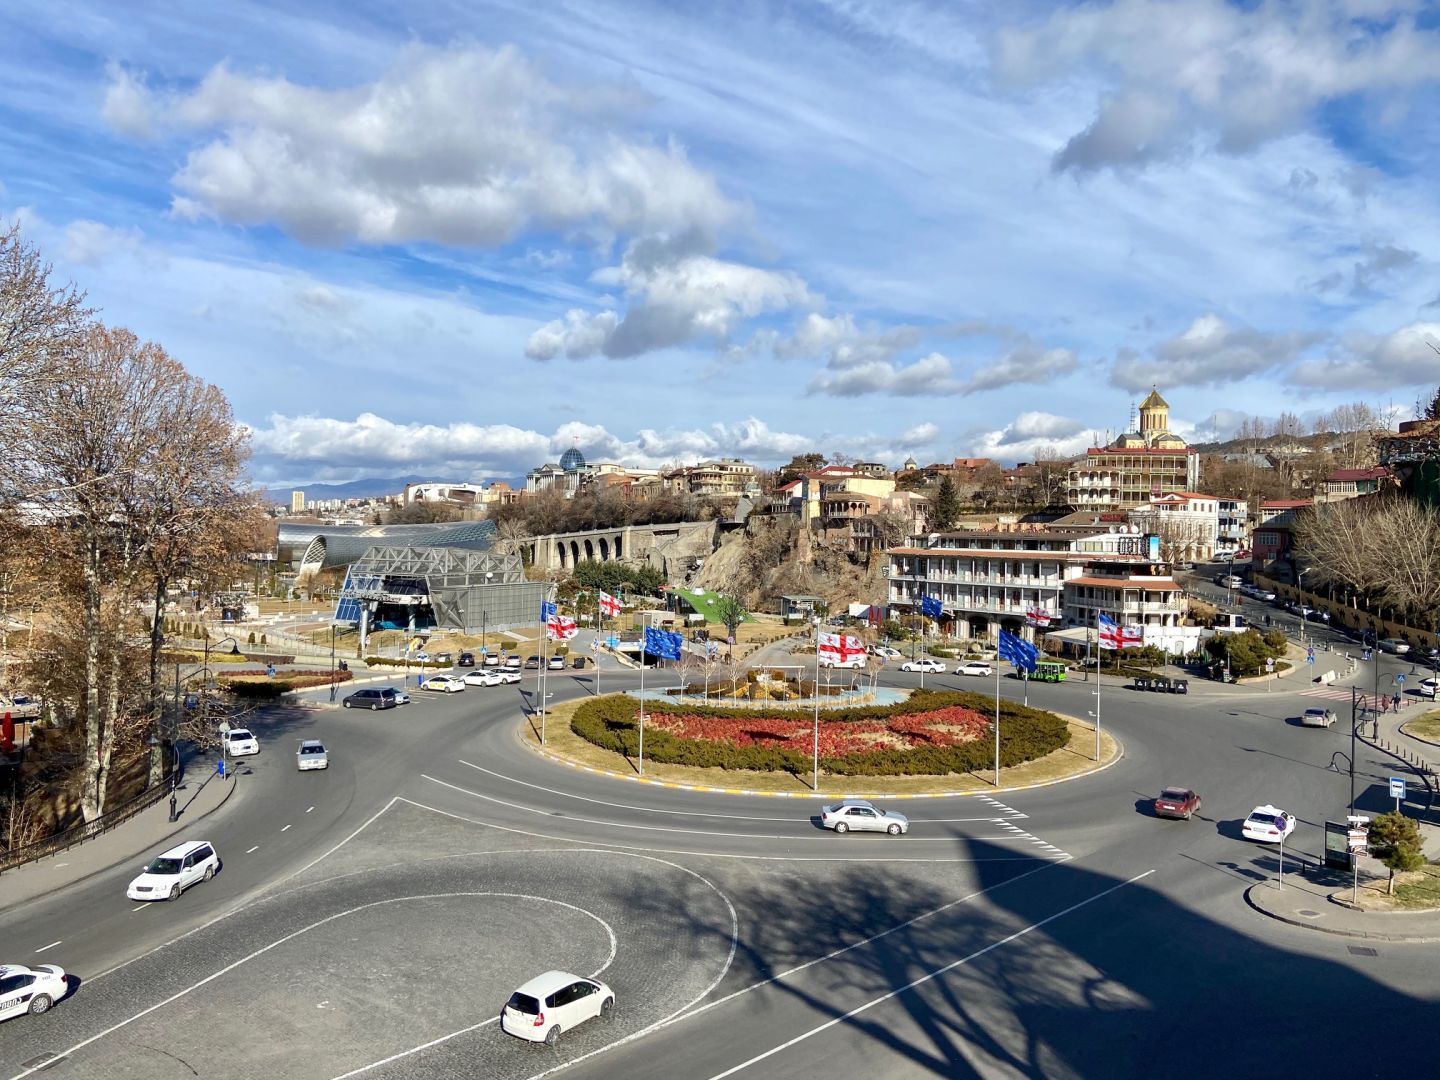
(453,238)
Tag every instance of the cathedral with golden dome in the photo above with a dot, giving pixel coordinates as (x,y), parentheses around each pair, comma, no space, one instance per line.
(1136,466)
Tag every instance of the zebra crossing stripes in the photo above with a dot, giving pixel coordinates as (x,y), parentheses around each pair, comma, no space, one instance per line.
(1364,701)
(1046,850)
(1008,811)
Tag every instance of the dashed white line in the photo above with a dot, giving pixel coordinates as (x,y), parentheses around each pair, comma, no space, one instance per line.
(286,829)
(253,849)
(308,810)
(50,946)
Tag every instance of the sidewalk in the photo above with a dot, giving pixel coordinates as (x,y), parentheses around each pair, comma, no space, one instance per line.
(144,835)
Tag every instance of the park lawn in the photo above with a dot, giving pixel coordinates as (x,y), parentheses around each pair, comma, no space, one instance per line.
(1426,726)
(1421,890)
(705,603)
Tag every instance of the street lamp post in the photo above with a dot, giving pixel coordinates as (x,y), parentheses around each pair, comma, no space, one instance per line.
(1300,588)
(332,662)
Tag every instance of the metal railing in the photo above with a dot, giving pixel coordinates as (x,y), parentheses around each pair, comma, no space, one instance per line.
(86,830)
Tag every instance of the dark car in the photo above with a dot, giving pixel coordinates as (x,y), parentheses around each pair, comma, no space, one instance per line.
(376,698)
(467,659)
(1175,802)
(532,662)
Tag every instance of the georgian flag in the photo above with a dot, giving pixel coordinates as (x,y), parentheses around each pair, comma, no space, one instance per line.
(1109,632)
(1038,617)
(560,628)
(609,606)
(1132,636)
(838,648)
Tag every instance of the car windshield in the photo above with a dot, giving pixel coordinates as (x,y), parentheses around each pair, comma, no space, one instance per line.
(239,733)
(523,1003)
(163,866)
(1262,819)
(312,749)
(1174,794)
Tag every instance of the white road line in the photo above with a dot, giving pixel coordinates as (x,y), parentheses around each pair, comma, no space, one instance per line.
(286,829)
(678,1018)
(253,849)
(311,808)
(702,814)
(50,946)
(661,828)
(925,978)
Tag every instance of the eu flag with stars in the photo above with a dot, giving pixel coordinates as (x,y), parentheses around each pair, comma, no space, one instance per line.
(931,606)
(546,610)
(662,643)
(1018,651)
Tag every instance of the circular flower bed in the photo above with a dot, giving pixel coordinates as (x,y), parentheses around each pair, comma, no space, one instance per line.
(932,733)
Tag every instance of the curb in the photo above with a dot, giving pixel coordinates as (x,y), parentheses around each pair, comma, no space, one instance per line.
(888,796)
(1364,935)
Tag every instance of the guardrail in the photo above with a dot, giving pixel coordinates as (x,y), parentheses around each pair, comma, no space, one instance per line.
(86,830)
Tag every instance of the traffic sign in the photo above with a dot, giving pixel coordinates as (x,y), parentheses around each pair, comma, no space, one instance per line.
(1357,840)
(1310,659)
(1397,787)
(1269,663)
(1400,679)
(422,657)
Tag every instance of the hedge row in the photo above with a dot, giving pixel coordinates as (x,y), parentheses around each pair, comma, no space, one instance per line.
(261,687)
(919,701)
(1025,734)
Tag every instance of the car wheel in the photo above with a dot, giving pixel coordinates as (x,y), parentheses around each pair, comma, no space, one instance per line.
(209,872)
(552,1035)
(893,830)
(375,707)
(841,827)
(40,1003)
(607,1007)
(347,704)
(1187,815)
(175,891)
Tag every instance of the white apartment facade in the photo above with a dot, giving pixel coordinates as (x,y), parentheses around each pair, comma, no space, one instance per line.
(1187,523)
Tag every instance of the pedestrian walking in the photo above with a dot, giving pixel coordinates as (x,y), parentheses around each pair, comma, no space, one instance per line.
(1384,704)
(1395,701)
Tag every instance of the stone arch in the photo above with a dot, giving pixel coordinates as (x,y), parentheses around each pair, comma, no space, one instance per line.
(589,550)
(604,550)
(618,553)
(574,551)
(561,548)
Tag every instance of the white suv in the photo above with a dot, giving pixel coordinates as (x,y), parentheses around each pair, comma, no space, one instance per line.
(554,1002)
(170,873)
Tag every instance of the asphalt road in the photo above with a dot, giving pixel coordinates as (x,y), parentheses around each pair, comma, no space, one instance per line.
(370,920)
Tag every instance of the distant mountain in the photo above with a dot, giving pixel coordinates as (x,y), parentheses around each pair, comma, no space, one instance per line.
(369,488)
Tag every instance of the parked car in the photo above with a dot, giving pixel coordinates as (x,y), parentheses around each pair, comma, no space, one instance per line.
(1317,717)
(885,651)
(401,697)
(372,697)
(20,707)
(860,815)
(492,659)
(240,742)
(466,659)
(512,663)
(555,663)
(933,667)
(1268,825)
(1428,688)
(1177,802)
(554,1002)
(1395,645)
(481,677)
(171,872)
(312,755)
(532,662)
(444,684)
(974,667)
(443,658)
(1262,593)
(507,675)
(30,990)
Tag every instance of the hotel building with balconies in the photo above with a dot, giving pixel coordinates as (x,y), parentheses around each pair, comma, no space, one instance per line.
(1135,467)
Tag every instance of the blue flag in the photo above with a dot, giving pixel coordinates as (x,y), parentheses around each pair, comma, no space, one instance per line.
(662,643)
(931,606)
(546,610)
(1018,651)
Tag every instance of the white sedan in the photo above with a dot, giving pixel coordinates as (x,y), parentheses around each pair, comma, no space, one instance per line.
(505,675)
(30,990)
(1428,688)
(482,677)
(240,742)
(974,667)
(445,684)
(1268,824)
(934,667)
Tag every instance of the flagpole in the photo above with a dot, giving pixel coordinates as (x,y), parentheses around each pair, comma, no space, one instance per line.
(642,696)
(544,634)
(997,720)
(815,690)
(1098,651)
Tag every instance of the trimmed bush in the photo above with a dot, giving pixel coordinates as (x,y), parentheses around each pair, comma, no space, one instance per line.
(256,685)
(1025,734)
(400,661)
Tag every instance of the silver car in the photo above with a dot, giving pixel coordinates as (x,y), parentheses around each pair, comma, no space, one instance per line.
(859,815)
(312,755)
(1317,718)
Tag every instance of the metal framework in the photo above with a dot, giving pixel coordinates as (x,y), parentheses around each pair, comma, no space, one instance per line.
(463,589)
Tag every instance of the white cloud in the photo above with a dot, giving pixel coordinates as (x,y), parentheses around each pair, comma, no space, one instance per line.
(462,146)
(1031,436)
(1184,72)
(89,243)
(675,297)
(928,377)
(1361,362)
(128,105)
(1026,364)
(1210,353)
(842,344)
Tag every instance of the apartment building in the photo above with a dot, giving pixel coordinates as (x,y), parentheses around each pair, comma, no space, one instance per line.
(723,476)
(1187,523)
(991,579)
(1136,467)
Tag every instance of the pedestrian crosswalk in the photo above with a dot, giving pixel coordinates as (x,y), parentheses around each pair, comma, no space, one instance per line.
(1363,702)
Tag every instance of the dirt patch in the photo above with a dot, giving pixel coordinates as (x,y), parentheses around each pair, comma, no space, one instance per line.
(1415,891)
(1075,760)
(1426,726)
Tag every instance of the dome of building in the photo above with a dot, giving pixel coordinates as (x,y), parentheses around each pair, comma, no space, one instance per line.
(572,460)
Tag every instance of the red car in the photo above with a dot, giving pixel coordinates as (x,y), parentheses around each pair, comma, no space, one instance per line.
(1177,802)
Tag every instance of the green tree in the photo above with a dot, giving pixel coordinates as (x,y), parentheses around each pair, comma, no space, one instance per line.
(731,612)
(1395,841)
(945,507)
(800,463)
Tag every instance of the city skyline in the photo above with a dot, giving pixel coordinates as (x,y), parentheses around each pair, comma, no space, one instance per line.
(459,244)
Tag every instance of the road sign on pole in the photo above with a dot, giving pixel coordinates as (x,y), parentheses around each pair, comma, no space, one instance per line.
(1397,790)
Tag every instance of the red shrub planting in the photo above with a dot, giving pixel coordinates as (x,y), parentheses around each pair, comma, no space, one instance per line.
(941,727)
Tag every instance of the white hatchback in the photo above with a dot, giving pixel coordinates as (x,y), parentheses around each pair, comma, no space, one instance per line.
(171,872)
(1268,824)
(554,1002)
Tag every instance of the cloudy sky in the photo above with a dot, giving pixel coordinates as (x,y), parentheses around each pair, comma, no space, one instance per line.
(455,237)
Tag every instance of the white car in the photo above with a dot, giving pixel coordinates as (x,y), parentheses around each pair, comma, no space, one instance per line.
(446,684)
(1428,688)
(312,755)
(1317,717)
(171,872)
(1394,645)
(30,990)
(975,667)
(934,667)
(492,659)
(505,675)
(885,652)
(240,742)
(1262,593)
(860,815)
(554,1002)
(481,677)
(1268,824)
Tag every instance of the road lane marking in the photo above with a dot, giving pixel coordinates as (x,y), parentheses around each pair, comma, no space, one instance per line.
(286,829)
(255,848)
(926,978)
(309,809)
(50,946)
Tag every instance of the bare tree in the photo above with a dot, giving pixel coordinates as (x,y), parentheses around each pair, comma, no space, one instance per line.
(1385,547)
